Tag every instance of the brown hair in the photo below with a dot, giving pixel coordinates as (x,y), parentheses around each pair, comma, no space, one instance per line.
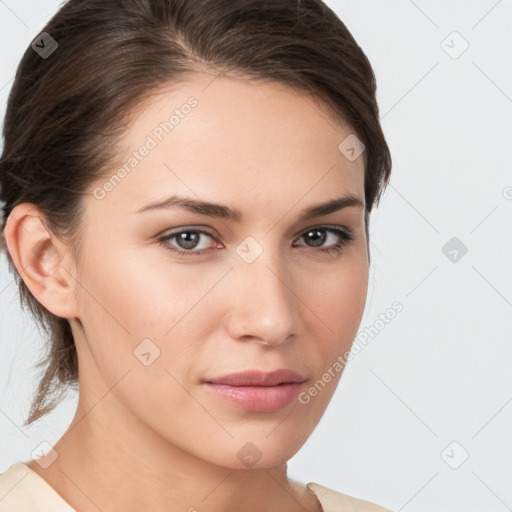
(66,109)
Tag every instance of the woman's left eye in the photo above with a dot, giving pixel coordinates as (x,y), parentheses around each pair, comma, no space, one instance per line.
(188,240)
(320,235)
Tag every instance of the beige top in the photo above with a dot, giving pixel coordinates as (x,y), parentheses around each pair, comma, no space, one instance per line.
(23,490)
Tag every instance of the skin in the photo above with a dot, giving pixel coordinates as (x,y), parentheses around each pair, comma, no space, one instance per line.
(154,433)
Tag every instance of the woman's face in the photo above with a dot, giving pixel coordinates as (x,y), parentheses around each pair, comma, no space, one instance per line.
(260,289)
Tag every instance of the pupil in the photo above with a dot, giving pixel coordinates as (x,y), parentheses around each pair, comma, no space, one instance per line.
(185,238)
(318,240)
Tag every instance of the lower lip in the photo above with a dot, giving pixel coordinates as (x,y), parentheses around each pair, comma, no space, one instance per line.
(257,398)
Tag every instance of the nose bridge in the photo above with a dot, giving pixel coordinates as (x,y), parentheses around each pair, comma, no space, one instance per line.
(267,277)
(264,304)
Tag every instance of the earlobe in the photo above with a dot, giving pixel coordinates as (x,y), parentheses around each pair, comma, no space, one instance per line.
(40,259)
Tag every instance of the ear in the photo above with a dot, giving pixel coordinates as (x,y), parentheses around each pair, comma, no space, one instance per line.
(42,261)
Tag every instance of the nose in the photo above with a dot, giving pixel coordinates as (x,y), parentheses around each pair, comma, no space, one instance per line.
(264,306)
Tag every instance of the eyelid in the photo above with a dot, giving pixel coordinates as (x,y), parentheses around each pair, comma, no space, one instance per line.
(334,227)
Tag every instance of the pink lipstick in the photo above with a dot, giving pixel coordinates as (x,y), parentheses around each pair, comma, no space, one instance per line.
(258,391)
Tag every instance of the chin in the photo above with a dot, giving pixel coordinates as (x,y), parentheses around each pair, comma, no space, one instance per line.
(264,449)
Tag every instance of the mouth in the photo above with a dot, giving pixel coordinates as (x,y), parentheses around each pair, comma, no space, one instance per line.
(257,391)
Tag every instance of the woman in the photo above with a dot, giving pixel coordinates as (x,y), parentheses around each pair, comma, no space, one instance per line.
(187,190)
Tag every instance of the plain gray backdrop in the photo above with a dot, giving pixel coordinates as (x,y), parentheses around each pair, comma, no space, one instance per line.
(422,417)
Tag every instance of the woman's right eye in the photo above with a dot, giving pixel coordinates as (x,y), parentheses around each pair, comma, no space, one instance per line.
(188,240)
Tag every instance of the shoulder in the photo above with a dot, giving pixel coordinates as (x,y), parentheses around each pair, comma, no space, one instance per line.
(23,490)
(334,501)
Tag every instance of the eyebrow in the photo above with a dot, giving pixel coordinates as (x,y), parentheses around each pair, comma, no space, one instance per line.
(224,212)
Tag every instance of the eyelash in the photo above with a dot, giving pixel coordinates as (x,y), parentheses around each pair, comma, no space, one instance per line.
(345,236)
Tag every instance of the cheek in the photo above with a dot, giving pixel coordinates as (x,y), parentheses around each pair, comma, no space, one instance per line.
(124,302)
(139,321)
(137,298)
(338,302)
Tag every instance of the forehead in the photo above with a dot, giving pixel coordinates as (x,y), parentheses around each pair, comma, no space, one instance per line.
(226,138)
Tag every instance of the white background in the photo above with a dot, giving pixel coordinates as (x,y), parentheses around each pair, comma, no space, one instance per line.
(440,371)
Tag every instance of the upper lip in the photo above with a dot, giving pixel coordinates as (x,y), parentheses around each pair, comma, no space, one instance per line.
(258,378)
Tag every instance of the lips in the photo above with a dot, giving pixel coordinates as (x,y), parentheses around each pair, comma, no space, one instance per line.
(257,391)
(259,378)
